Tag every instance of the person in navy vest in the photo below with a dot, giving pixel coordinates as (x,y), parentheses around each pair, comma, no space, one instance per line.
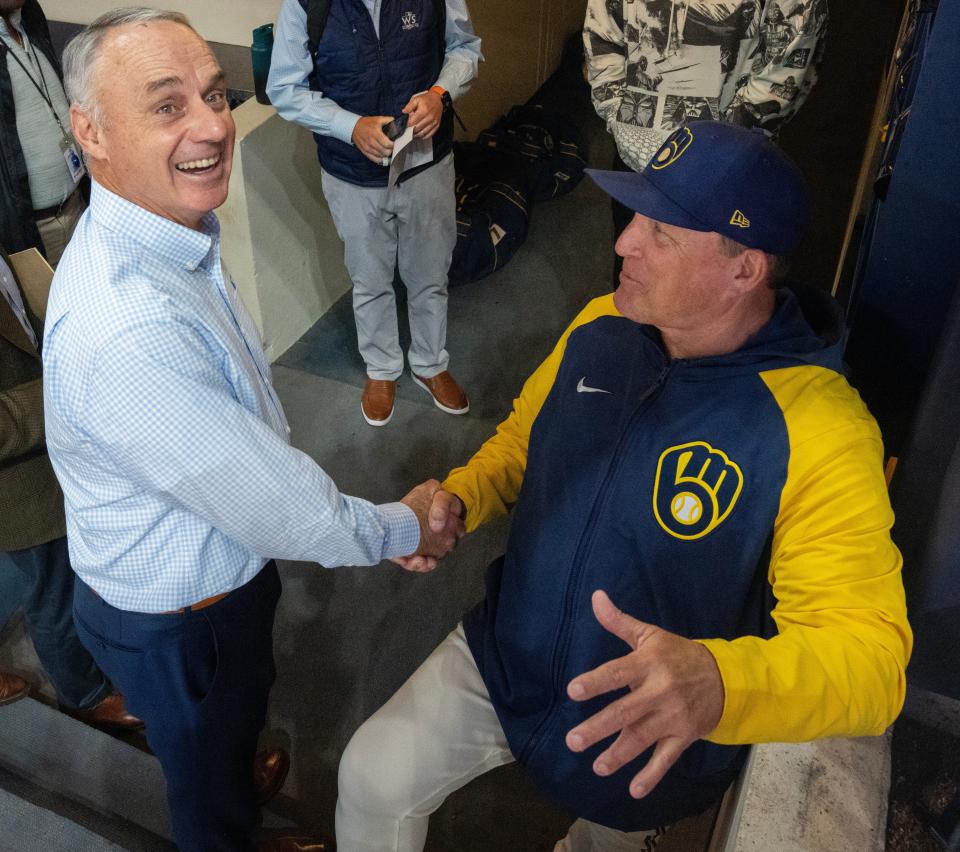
(699,554)
(376,61)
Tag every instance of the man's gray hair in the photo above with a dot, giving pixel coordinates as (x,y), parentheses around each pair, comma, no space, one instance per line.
(779,263)
(82,54)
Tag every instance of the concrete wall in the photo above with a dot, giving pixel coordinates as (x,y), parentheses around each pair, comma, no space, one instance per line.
(279,241)
(809,797)
(522,44)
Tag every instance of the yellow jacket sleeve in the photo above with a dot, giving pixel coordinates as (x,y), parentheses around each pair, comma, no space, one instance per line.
(836,667)
(490,482)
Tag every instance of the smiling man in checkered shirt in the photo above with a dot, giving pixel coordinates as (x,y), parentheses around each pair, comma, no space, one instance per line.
(166,434)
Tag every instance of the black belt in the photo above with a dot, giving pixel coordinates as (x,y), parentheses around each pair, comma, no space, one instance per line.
(50,212)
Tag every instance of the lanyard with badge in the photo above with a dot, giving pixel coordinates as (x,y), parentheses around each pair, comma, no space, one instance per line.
(68,145)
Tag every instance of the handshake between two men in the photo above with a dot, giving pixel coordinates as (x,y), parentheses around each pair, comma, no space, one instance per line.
(441,517)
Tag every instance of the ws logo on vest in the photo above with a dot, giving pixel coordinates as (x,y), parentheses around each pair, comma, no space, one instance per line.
(409,21)
(696,488)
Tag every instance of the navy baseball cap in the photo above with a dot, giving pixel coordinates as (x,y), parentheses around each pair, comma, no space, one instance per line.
(712,176)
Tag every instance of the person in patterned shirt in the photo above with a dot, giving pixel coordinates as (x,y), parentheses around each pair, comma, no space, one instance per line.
(747,62)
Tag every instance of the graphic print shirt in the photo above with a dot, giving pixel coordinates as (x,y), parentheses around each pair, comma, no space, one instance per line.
(655,64)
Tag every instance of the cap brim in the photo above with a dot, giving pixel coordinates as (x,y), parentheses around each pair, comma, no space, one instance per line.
(635,191)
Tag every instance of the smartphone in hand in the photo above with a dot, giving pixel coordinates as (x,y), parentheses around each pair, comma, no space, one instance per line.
(395,129)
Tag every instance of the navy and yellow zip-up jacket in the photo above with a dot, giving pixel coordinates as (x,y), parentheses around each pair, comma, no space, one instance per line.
(689,490)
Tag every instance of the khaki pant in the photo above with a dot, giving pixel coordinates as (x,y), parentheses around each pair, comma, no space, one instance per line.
(436,733)
(412,229)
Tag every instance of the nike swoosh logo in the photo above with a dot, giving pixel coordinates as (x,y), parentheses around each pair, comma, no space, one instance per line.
(582,388)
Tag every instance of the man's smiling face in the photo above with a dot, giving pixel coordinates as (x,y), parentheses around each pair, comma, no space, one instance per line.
(166,138)
(673,278)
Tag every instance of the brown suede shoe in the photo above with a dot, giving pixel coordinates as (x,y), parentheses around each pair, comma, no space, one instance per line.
(447,394)
(12,688)
(269,772)
(377,403)
(110,712)
(288,840)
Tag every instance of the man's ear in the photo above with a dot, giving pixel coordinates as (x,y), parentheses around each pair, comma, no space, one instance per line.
(752,270)
(87,133)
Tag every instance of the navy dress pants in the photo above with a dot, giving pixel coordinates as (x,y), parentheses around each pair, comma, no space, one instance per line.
(200,681)
(39,580)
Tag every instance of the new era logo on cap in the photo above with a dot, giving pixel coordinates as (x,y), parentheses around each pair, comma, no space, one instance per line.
(707,174)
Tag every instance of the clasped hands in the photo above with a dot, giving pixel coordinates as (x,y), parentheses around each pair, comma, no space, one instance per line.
(441,516)
(424,110)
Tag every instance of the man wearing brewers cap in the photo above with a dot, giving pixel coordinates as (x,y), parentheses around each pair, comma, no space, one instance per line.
(699,557)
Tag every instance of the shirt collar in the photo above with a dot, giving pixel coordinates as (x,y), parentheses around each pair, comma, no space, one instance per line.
(177,243)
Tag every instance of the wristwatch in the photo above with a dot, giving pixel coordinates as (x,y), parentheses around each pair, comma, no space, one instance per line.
(444,95)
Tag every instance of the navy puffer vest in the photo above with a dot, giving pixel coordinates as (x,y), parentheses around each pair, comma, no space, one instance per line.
(371,76)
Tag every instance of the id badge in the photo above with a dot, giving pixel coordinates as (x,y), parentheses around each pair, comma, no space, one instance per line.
(72,158)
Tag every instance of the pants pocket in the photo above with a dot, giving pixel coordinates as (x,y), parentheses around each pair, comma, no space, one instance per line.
(202,666)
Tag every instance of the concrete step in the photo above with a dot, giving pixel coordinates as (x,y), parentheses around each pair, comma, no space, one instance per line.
(111,787)
(26,827)
(65,779)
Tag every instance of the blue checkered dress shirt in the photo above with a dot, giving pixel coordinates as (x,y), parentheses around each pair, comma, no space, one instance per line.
(165,431)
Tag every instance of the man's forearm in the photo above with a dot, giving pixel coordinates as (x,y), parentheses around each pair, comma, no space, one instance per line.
(462,51)
(810,683)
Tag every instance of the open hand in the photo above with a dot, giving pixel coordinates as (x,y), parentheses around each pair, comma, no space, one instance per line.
(675,698)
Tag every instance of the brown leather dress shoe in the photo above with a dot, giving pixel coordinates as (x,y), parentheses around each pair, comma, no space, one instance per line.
(377,403)
(270,770)
(12,688)
(111,712)
(292,841)
(447,394)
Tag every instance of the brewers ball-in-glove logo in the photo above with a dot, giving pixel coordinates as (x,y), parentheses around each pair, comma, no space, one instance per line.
(672,149)
(695,490)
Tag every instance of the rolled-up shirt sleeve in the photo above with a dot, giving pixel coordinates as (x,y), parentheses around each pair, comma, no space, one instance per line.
(171,424)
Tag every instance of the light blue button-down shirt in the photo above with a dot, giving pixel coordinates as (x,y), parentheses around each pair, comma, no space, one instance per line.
(164,429)
(290,67)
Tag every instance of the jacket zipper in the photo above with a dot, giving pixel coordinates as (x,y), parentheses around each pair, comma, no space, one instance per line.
(561,642)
